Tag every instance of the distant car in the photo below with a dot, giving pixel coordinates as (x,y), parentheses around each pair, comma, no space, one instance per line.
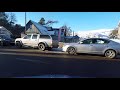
(105,47)
(5,40)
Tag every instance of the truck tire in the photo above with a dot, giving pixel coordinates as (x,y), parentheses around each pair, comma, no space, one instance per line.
(41,46)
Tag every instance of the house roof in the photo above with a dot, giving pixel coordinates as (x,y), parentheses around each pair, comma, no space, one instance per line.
(3,28)
(41,28)
(48,28)
(51,32)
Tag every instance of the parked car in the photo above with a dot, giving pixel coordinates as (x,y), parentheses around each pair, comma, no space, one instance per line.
(43,42)
(5,40)
(105,47)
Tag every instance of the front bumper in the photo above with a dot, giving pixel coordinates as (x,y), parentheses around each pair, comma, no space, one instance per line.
(64,48)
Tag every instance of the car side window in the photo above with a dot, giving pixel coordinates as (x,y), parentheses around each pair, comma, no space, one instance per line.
(27,37)
(34,36)
(88,41)
(102,41)
(45,36)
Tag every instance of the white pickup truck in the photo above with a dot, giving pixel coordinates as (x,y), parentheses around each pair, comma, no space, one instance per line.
(42,42)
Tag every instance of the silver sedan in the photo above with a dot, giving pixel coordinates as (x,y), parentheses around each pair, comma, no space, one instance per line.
(101,46)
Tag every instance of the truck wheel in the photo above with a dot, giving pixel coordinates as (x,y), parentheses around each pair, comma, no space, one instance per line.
(41,46)
(18,44)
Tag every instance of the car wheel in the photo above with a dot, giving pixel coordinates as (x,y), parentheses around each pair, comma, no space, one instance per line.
(18,44)
(71,51)
(41,47)
(110,54)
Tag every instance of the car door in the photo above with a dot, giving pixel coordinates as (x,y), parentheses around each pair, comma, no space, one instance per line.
(98,46)
(26,40)
(34,40)
(84,46)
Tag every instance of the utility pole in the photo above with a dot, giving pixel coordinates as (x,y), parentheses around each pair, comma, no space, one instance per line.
(25,22)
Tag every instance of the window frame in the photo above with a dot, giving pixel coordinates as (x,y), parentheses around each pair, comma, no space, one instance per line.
(86,40)
(27,36)
(45,38)
(34,38)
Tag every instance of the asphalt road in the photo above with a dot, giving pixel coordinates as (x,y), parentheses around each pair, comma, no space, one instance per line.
(30,62)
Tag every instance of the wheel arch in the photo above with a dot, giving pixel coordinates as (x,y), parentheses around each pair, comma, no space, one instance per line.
(110,49)
(18,41)
(43,43)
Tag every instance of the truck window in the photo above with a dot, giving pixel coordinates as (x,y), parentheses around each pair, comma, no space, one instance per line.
(27,37)
(34,36)
(45,36)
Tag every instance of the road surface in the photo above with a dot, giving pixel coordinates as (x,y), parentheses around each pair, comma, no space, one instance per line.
(30,62)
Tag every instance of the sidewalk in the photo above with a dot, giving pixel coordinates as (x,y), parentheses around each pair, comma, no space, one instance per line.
(30,50)
(57,49)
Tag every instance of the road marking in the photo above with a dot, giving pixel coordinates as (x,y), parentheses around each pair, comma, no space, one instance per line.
(32,60)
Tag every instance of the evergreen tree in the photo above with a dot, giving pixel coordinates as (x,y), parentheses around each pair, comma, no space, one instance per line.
(42,21)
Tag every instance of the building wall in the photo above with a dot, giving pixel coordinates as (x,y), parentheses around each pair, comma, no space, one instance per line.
(32,29)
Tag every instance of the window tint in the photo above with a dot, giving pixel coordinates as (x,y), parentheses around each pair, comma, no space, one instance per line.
(34,37)
(27,37)
(88,41)
(45,36)
(101,41)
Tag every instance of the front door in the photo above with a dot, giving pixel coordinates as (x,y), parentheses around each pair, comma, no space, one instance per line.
(26,40)
(34,40)
(84,46)
(98,46)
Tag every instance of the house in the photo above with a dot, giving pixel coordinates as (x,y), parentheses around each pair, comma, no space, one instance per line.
(4,31)
(34,27)
(57,33)
(72,39)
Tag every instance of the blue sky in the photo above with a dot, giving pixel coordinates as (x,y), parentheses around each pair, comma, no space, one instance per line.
(78,21)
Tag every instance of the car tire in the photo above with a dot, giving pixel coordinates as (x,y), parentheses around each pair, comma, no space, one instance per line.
(110,54)
(41,47)
(71,51)
(18,44)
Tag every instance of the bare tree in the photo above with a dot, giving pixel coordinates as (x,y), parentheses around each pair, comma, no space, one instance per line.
(51,22)
(68,30)
(12,18)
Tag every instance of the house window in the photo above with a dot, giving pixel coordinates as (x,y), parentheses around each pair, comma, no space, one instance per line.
(30,26)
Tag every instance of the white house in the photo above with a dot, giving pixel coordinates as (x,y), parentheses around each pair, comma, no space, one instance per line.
(4,31)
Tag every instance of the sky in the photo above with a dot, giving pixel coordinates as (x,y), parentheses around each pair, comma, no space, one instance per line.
(78,21)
